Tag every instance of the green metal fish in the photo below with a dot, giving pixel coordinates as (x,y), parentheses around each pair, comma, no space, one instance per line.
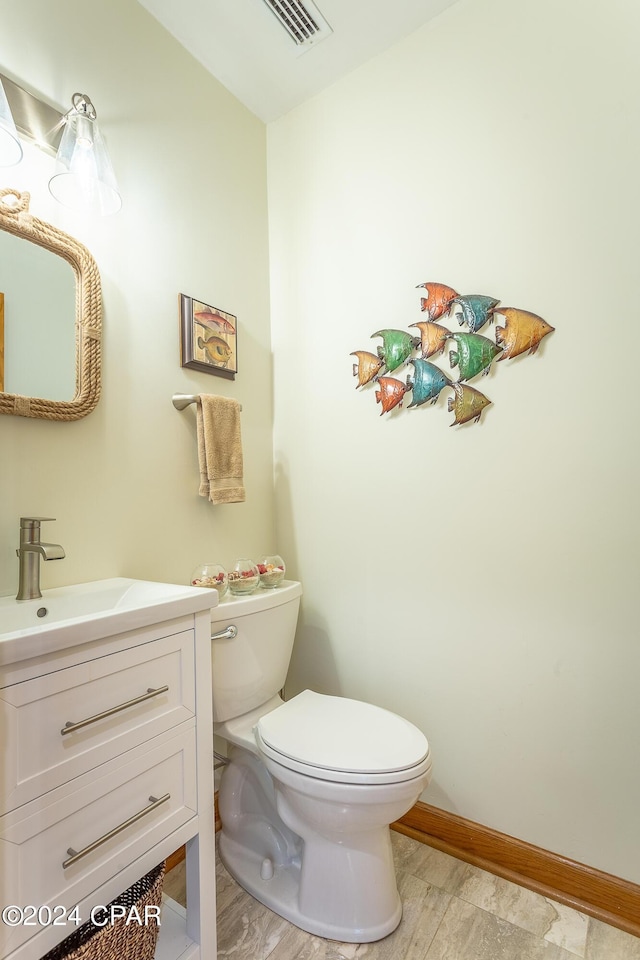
(474,354)
(397,347)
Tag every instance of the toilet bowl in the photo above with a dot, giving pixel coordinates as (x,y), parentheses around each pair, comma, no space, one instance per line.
(312,783)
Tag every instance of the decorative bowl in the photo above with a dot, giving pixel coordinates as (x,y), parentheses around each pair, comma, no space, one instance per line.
(244,578)
(272,570)
(211,575)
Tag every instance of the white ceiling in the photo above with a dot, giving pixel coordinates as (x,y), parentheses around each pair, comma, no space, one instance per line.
(245,47)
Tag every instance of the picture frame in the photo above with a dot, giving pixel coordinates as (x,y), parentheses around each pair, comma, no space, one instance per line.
(208,338)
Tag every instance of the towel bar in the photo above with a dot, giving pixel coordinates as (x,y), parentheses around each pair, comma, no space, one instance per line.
(182,400)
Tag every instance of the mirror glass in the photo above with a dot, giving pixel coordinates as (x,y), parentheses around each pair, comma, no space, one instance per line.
(50,317)
(39,292)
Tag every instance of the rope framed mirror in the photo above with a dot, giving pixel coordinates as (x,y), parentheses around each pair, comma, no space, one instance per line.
(16,219)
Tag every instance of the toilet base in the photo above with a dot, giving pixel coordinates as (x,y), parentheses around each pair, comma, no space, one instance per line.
(329,871)
(280,893)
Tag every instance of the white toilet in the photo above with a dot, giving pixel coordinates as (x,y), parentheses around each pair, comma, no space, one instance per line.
(312,783)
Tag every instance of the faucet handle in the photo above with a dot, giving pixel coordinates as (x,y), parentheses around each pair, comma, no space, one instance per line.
(30,528)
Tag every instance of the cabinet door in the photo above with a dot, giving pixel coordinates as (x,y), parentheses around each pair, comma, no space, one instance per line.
(111,703)
(109,817)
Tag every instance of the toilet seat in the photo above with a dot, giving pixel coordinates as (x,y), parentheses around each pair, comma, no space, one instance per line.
(342,740)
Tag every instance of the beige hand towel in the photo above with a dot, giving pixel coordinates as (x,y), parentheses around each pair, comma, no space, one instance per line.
(220,449)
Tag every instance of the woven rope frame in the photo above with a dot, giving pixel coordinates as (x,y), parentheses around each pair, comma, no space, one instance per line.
(15,218)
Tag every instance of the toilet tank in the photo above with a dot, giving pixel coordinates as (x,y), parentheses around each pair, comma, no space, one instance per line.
(250,668)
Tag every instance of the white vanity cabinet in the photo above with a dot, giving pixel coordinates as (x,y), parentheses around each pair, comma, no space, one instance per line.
(106,769)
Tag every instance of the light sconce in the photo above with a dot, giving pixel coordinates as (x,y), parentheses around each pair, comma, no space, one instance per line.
(83,177)
(10,147)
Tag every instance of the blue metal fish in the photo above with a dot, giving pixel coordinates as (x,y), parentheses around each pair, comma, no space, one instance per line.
(427,382)
(474,309)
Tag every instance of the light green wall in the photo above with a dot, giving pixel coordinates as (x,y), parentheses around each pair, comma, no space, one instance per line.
(480,580)
(123,483)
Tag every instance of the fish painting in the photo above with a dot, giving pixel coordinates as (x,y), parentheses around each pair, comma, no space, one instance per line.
(427,382)
(216,350)
(214,321)
(474,309)
(438,299)
(467,403)
(397,347)
(432,337)
(367,367)
(522,331)
(473,356)
(390,394)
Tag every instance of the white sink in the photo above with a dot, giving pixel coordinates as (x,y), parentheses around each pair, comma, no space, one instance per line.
(67,616)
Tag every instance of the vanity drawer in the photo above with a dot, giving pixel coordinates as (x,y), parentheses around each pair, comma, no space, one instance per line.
(35,840)
(114,703)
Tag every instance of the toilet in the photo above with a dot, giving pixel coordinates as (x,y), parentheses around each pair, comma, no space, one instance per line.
(311,784)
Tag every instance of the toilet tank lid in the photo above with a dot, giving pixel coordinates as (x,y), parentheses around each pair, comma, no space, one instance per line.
(232,607)
(336,733)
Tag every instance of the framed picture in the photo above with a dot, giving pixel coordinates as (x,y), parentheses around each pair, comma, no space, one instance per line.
(208,338)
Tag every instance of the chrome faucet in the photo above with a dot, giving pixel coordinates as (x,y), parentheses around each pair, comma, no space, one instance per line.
(29,553)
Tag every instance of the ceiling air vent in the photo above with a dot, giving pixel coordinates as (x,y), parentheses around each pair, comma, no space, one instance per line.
(303,22)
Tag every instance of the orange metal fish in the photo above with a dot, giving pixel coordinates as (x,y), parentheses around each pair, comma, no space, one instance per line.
(433,337)
(467,403)
(438,299)
(522,331)
(390,393)
(209,318)
(367,367)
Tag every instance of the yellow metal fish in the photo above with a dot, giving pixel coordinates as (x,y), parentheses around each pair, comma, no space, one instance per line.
(432,337)
(522,331)
(467,403)
(216,349)
(367,367)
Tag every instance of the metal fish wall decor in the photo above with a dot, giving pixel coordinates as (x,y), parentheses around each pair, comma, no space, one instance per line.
(390,394)
(367,367)
(397,347)
(520,333)
(427,382)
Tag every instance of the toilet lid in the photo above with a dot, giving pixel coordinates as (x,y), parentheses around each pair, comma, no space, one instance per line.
(341,735)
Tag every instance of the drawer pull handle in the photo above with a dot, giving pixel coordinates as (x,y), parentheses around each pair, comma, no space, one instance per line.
(69,726)
(74,855)
(229,634)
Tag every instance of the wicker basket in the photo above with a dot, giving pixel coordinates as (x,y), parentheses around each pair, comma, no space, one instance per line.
(118,940)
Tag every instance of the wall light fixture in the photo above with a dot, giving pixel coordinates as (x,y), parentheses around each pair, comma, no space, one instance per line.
(83,177)
(10,147)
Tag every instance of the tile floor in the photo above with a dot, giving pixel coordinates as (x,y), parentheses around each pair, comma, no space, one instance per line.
(452,911)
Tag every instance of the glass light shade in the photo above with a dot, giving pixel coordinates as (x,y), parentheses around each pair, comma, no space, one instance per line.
(10,146)
(83,178)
